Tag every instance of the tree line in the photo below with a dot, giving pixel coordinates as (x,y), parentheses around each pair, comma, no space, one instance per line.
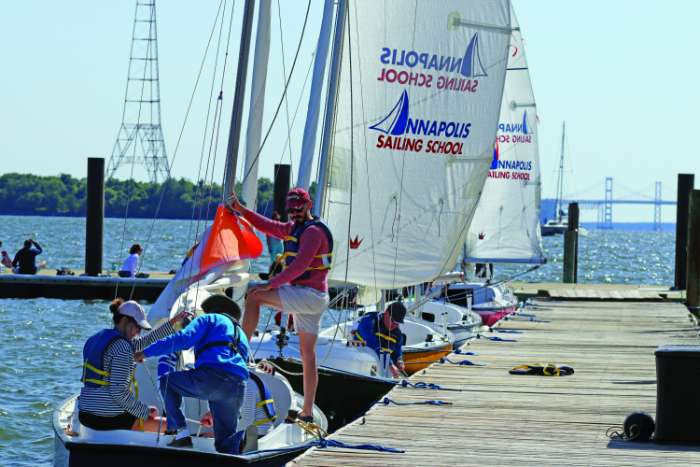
(64,195)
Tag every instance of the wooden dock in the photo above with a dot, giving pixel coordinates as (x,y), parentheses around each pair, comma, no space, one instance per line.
(502,419)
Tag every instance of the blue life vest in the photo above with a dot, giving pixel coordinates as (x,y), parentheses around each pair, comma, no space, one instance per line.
(266,401)
(372,331)
(321,261)
(94,374)
(232,342)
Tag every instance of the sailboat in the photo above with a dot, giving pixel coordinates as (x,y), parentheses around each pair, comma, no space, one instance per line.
(559,224)
(411,115)
(219,260)
(505,228)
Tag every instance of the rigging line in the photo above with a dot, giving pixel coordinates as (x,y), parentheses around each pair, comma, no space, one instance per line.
(284,93)
(208,115)
(214,137)
(164,186)
(286,100)
(403,164)
(366,158)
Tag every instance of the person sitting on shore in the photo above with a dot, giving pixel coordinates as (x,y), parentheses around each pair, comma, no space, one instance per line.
(131,263)
(25,258)
(6,260)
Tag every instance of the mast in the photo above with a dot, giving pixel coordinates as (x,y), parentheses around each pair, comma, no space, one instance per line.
(330,105)
(309,141)
(237,112)
(257,104)
(560,176)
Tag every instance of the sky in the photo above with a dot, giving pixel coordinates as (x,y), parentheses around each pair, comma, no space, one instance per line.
(619,72)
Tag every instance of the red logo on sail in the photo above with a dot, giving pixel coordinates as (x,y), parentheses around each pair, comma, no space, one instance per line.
(355,242)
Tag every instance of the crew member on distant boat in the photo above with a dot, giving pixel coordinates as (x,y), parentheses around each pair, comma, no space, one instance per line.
(106,400)
(219,376)
(381,333)
(302,286)
(25,258)
(131,263)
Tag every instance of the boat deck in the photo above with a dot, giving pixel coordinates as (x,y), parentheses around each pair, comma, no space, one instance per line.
(502,419)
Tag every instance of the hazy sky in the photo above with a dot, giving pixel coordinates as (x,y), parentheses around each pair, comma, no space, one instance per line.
(619,72)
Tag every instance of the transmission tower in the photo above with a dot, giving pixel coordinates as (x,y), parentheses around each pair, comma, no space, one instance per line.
(140,137)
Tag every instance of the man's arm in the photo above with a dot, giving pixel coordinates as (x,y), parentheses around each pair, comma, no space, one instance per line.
(309,246)
(38,247)
(181,340)
(267,226)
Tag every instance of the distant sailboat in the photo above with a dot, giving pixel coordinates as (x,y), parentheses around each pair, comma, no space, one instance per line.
(559,224)
(505,227)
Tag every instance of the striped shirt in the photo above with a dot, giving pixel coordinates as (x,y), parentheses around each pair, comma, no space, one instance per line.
(116,398)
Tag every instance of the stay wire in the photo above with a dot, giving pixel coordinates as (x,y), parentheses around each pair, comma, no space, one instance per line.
(284,93)
(164,185)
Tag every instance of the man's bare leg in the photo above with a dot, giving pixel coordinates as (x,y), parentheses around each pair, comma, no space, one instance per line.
(252,308)
(307,347)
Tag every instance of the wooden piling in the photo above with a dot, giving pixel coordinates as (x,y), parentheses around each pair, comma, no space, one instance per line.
(693,264)
(281,187)
(95,214)
(685,186)
(570,273)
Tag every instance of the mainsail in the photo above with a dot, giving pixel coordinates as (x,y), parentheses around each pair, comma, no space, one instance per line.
(506,227)
(419,94)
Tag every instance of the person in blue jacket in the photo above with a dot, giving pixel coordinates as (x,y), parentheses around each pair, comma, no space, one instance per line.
(219,375)
(381,333)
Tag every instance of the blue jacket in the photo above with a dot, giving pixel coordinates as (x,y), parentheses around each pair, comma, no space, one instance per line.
(371,331)
(202,332)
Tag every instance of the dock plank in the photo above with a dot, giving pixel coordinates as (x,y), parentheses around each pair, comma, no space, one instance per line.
(502,419)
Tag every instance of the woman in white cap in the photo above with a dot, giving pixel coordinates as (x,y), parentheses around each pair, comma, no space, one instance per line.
(106,400)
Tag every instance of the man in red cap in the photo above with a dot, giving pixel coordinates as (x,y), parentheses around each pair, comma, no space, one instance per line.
(302,287)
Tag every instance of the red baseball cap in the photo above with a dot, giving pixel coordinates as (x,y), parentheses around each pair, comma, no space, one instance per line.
(297,198)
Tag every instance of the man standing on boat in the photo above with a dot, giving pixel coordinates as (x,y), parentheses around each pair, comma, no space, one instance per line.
(302,286)
(380,332)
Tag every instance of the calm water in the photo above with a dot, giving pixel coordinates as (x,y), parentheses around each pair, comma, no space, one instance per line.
(43,338)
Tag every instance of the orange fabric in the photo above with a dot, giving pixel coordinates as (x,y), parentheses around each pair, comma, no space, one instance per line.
(231,238)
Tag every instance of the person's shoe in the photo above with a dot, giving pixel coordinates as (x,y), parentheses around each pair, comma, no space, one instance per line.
(184,442)
(251,439)
(306,418)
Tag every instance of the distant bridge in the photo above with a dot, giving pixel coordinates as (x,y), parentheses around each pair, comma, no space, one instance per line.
(604,206)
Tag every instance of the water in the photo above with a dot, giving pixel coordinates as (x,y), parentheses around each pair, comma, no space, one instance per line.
(43,338)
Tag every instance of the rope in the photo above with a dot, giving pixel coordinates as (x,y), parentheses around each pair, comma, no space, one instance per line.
(461,362)
(387,401)
(499,339)
(423,385)
(334,443)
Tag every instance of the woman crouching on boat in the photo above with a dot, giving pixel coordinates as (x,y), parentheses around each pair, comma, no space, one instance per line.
(106,401)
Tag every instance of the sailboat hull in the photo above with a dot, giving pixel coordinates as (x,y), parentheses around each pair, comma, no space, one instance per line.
(70,454)
(549,230)
(416,360)
(342,396)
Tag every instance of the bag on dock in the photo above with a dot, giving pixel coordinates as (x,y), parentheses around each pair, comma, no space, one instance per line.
(542,369)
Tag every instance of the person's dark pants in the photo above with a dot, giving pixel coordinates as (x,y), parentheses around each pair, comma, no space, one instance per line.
(123,421)
(224,392)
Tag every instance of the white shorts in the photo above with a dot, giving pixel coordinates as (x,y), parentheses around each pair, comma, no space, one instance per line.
(306,304)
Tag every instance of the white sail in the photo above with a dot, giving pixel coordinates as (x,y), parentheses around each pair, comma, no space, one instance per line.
(506,227)
(424,82)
